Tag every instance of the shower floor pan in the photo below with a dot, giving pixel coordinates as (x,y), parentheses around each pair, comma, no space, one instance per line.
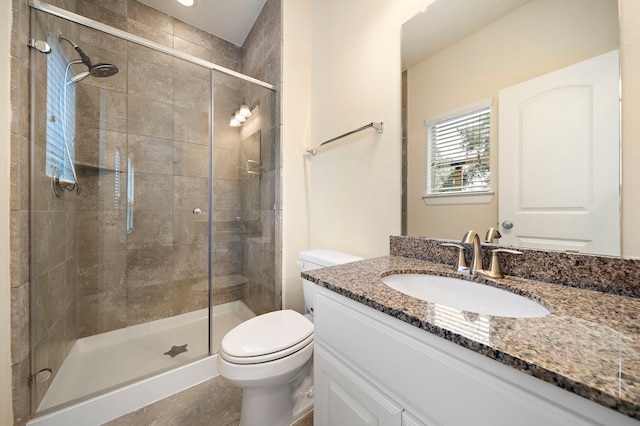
(104,361)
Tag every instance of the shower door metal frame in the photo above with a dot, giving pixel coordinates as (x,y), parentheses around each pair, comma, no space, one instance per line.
(79,19)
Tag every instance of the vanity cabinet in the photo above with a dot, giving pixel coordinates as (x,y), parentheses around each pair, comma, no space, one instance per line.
(347,398)
(373,369)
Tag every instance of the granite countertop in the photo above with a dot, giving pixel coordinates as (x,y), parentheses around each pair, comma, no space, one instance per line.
(588,345)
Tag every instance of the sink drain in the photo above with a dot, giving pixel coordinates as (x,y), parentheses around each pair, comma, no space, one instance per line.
(176,350)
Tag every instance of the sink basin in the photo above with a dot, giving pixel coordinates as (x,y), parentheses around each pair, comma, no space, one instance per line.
(465,295)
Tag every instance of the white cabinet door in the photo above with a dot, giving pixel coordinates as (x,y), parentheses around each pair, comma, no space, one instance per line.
(344,398)
(559,156)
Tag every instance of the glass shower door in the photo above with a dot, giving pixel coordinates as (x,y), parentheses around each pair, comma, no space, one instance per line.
(244,179)
(121,160)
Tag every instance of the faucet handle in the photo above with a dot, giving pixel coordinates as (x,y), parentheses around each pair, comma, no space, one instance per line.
(494,268)
(461,265)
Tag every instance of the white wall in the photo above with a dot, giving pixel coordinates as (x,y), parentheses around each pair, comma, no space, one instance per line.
(6,413)
(341,70)
(296,114)
(355,79)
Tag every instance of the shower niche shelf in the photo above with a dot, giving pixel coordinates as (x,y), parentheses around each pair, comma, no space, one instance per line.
(96,167)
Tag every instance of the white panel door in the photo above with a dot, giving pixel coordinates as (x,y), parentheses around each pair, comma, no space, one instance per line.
(559,159)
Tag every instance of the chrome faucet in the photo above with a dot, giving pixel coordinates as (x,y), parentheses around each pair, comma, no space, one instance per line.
(472,237)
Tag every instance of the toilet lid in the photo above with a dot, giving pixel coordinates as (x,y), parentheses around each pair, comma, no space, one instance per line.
(267,337)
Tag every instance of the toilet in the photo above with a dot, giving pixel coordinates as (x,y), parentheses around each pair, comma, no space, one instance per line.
(270,357)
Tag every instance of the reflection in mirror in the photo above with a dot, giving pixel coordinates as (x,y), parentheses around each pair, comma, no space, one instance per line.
(460,52)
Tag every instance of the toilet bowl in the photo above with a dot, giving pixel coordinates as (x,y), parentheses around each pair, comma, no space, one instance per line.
(270,357)
(263,356)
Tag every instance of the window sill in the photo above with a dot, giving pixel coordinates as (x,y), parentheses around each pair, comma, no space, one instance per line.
(458,199)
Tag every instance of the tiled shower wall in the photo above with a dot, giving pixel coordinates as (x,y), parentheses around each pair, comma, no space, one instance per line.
(261,54)
(261,59)
(20,211)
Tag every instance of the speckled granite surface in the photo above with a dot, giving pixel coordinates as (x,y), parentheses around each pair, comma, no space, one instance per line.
(589,344)
(603,273)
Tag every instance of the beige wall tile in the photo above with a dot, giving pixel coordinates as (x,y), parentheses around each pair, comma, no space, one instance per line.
(101,148)
(101,271)
(151,155)
(101,312)
(226,162)
(226,54)
(152,229)
(148,79)
(147,54)
(191,295)
(152,192)
(150,32)
(191,160)
(110,13)
(102,189)
(147,15)
(20,323)
(190,262)
(191,125)
(149,266)
(100,109)
(192,34)
(100,231)
(192,49)
(226,195)
(19,244)
(149,117)
(150,302)
(190,193)
(189,228)
(227,258)
(194,93)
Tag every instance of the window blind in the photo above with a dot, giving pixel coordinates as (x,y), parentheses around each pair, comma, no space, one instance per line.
(458,153)
(61,105)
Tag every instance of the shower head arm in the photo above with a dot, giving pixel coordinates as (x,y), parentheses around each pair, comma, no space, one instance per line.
(85,59)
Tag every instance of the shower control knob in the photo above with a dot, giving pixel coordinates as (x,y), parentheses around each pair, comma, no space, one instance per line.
(197,211)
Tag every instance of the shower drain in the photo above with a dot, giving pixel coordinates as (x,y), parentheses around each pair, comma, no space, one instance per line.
(176,350)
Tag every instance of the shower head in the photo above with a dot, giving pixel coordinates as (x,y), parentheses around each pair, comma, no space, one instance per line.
(103,70)
(95,70)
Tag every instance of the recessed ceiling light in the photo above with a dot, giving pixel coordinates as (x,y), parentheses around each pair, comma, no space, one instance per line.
(188,3)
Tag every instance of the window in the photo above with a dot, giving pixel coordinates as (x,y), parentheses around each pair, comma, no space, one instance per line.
(458,152)
(61,106)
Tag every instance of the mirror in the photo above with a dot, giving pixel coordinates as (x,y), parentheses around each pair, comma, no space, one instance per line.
(458,52)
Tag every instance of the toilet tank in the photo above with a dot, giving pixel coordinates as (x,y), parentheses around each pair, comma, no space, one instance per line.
(315,259)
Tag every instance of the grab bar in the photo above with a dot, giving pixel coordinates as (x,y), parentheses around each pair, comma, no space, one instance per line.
(378,126)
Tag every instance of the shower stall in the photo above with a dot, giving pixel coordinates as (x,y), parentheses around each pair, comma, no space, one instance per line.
(152,221)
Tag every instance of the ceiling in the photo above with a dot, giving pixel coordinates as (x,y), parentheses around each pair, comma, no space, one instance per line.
(432,30)
(228,19)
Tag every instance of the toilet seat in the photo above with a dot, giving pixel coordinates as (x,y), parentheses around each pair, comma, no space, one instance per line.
(267,337)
